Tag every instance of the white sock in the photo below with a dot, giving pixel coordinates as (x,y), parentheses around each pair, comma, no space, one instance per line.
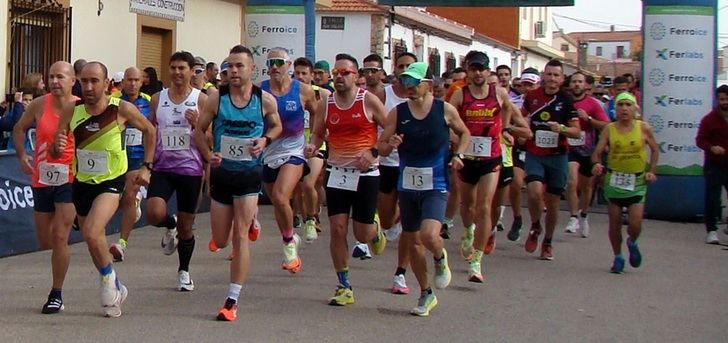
(502,210)
(234,291)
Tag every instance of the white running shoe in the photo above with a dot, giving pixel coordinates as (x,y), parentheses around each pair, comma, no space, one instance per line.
(712,238)
(442,272)
(584,227)
(361,251)
(184,283)
(393,232)
(573,225)
(399,285)
(309,229)
(169,242)
(113,294)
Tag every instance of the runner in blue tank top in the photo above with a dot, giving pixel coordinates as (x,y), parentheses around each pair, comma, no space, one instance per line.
(419,129)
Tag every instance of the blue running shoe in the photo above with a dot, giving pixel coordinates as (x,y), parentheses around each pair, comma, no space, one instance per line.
(618,265)
(635,256)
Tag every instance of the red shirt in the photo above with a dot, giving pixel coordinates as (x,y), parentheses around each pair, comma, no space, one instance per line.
(541,108)
(483,118)
(713,131)
(45,132)
(594,109)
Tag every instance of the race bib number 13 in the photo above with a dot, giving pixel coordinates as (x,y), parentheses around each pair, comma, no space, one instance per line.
(417,179)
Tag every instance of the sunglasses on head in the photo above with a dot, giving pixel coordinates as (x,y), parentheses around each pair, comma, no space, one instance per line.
(199,71)
(278,62)
(343,72)
(408,81)
(370,70)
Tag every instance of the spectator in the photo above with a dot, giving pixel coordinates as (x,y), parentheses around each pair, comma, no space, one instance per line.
(33,84)
(21,100)
(150,82)
(77,66)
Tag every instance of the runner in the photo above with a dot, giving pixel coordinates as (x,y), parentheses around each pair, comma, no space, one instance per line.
(211,72)
(625,184)
(351,119)
(322,75)
(51,177)
(580,185)
(198,74)
(283,162)
(97,124)
(550,110)
(131,199)
(238,114)
(420,130)
(177,163)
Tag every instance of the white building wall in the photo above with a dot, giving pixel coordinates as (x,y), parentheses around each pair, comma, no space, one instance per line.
(497,56)
(529,16)
(353,40)
(210,29)
(609,49)
(533,60)
(400,32)
(4,37)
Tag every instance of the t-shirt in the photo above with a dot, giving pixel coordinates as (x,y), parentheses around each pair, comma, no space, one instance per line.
(585,144)
(542,108)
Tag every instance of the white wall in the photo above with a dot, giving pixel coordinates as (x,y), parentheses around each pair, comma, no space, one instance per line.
(497,56)
(353,40)
(3,48)
(529,16)
(609,49)
(533,60)
(210,29)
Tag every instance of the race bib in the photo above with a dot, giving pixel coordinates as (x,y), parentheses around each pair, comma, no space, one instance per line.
(479,146)
(236,149)
(344,178)
(577,141)
(522,156)
(417,179)
(52,174)
(175,138)
(547,139)
(133,137)
(93,162)
(623,181)
(306,119)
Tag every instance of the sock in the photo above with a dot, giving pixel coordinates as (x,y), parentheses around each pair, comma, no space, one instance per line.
(169,222)
(55,293)
(234,291)
(502,210)
(427,291)
(442,255)
(583,214)
(547,241)
(184,250)
(107,270)
(400,271)
(517,218)
(122,242)
(287,236)
(343,276)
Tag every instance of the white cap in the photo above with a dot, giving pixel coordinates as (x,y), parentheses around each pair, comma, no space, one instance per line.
(529,77)
(118,76)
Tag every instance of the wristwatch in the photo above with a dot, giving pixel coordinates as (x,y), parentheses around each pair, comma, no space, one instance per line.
(460,156)
(147,165)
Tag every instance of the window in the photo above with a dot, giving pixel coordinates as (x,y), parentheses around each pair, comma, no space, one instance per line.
(564,47)
(434,61)
(539,29)
(398,46)
(620,51)
(451,61)
(599,51)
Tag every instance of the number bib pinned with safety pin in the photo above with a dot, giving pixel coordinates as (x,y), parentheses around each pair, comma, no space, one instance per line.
(93,162)
(236,149)
(479,146)
(623,181)
(175,138)
(344,178)
(52,174)
(417,179)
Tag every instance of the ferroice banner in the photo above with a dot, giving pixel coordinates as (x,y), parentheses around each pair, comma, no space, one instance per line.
(269,27)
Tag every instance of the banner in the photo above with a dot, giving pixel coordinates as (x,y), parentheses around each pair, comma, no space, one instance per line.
(274,26)
(167,9)
(678,81)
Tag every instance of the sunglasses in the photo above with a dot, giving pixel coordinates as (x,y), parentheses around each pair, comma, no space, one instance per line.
(278,62)
(199,71)
(343,72)
(370,70)
(408,81)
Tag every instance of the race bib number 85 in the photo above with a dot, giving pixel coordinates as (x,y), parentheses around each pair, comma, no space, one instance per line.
(236,149)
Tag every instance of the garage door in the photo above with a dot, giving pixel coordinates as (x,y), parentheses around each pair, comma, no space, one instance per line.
(150,50)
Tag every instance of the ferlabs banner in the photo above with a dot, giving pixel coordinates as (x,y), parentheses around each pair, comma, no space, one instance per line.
(274,26)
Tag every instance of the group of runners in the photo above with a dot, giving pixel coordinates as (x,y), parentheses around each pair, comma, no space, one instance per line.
(393,158)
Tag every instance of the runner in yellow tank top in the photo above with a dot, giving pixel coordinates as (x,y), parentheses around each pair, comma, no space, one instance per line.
(629,172)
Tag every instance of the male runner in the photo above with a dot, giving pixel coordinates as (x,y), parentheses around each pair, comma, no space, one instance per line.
(211,72)
(322,75)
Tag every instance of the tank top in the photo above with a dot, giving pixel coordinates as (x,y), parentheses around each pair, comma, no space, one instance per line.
(351,131)
(132,135)
(52,168)
(391,100)
(483,119)
(291,141)
(100,148)
(626,150)
(424,151)
(234,127)
(176,151)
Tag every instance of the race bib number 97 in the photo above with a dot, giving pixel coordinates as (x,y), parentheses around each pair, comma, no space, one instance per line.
(52,174)
(344,178)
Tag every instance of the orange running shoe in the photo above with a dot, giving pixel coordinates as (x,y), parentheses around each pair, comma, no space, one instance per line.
(490,246)
(212,246)
(229,311)
(291,260)
(254,231)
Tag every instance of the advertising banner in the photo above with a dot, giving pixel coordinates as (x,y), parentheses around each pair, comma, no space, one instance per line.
(269,27)
(167,9)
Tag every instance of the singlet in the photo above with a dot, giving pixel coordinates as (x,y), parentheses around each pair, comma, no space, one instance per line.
(425,145)
(542,108)
(100,149)
(176,151)
(45,132)
(585,144)
(626,150)
(483,119)
(207,86)
(351,131)
(233,123)
(291,141)
(132,135)
(391,100)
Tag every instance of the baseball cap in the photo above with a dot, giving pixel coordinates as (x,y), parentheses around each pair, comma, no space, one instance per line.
(625,96)
(530,76)
(417,70)
(118,76)
(199,61)
(322,64)
(478,57)
(224,66)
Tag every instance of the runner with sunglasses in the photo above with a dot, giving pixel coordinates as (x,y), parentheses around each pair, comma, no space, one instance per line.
(283,161)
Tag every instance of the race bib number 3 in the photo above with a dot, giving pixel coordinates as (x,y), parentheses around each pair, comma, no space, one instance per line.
(480,146)
(52,174)
(176,138)
(236,149)
(344,178)
(623,181)
(93,162)
(133,137)
(547,139)
(578,141)
(417,179)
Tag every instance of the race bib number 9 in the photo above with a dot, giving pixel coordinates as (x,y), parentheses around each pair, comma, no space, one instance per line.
(236,149)
(133,137)
(623,181)
(547,139)
(479,146)
(577,141)
(52,174)
(175,138)
(417,179)
(344,178)
(93,162)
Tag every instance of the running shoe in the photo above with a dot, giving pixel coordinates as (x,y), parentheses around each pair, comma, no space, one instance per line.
(515,233)
(445,230)
(584,224)
(361,251)
(442,271)
(499,226)
(117,252)
(573,225)
(393,233)
(52,306)
(635,256)
(169,240)
(466,242)
(229,311)
(547,253)
(399,285)
(184,282)
(377,247)
(309,228)
(424,305)
(297,222)
(490,245)
(254,230)
(342,297)
(618,265)
(112,296)
(532,240)
(474,271)
(212,246)
(291,261)
(712,238)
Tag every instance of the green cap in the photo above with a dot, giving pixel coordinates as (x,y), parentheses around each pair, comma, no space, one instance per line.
(417,70)
(322,64)
(625,96)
